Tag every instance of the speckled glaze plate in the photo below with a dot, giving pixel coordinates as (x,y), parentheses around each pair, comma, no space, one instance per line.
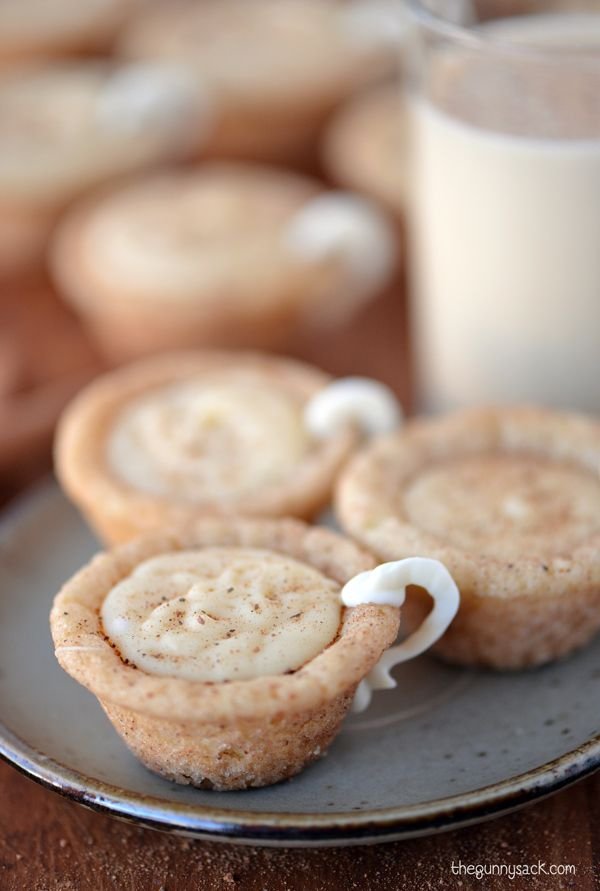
(447,748)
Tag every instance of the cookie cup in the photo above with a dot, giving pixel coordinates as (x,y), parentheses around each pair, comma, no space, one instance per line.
(225,255)
(509,500)
(290,65)
(73,125)
(236,734)
(118,511)
(189,270)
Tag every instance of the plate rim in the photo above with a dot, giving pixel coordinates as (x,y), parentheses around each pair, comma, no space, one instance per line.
(307,828)
(291,829)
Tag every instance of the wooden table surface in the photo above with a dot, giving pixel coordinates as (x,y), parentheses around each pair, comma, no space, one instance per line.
(48,843)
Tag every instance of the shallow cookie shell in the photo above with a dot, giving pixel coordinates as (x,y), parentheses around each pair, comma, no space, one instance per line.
(118,511)
(228,735)
(509,500)
(366,147)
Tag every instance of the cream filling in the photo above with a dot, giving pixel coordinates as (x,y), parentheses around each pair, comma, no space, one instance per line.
(386,585)
(222,614)
(208,441)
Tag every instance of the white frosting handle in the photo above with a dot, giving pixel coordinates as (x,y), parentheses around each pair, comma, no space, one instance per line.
(386,585)
(378,22)
(139,96)
(345,227)
(368,403)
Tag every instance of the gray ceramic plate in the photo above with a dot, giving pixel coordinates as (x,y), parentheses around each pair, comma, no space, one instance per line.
(448,747)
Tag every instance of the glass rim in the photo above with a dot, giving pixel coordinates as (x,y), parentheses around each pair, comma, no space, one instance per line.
(478,38)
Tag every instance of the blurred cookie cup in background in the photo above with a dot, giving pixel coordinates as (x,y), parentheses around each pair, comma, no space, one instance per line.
(170,438)
(508,498)
(30,29)
(276,69)
(366,148)
(67,126)
(227,254)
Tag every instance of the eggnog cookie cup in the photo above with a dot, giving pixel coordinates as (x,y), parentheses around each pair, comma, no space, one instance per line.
(509,500)
(223,654)
(68,126)
(276,70)
(166,439)
(366,148)
(31,29)
(224,255)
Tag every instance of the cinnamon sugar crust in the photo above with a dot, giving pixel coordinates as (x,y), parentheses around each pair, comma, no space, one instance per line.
(509,500)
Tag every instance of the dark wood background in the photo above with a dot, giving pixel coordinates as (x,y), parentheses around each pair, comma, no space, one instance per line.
(48,843)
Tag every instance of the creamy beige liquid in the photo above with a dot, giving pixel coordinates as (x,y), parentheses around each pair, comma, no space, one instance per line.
(507,223)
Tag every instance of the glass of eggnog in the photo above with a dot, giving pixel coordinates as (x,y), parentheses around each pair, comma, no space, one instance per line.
(505,208)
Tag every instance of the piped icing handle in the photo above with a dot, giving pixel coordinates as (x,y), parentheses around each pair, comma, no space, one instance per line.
(367,403)
(386,585)
(353,233)
(139,97)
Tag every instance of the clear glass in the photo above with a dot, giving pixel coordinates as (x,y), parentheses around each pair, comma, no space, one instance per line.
(505,214)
